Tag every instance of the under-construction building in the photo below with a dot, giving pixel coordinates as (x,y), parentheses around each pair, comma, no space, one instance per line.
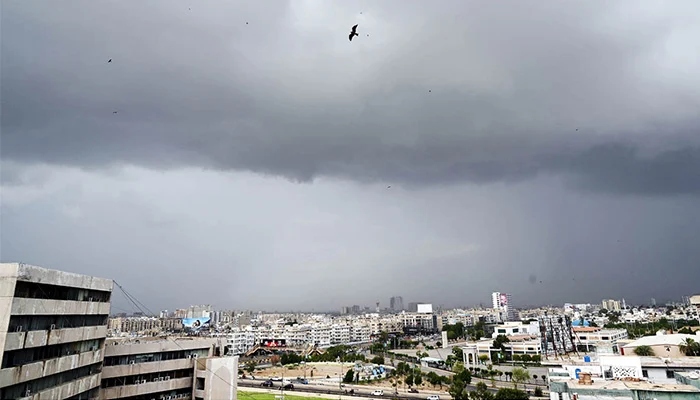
(556,335)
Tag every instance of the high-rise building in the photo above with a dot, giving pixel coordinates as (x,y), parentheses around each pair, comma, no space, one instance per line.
(503,304)
(53,326)
(396,303)
(611,305)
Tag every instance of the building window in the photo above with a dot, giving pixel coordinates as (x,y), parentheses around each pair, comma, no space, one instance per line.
(645,373)
(669,373)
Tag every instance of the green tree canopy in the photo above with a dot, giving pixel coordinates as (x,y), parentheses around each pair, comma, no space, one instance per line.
(644,351)
(510,394)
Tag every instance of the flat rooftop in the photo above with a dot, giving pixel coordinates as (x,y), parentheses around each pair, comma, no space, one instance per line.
(631,385)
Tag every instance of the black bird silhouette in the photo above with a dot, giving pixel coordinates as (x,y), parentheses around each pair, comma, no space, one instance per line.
(353,32)
(114,112)
(109,61)
(388,187)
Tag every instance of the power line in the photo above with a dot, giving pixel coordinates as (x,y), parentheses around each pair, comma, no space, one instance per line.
(136,302)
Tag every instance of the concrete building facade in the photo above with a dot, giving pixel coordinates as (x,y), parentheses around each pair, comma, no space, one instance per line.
(154,368)
(53,326)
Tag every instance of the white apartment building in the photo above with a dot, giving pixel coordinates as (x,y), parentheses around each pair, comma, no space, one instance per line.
(340,334)
(53,326)
(503,303)
(611,305)
(602,341)
(516,328)
(240,341)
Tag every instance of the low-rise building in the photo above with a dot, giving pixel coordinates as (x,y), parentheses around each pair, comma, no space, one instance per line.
(155,368)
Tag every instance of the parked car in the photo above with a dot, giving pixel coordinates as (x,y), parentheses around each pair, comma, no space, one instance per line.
(412,390)
(268,383)
(303,381)
(433,397)
(378,393)
(289,386)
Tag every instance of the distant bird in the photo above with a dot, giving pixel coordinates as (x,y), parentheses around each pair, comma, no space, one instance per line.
(430,91)
(246,23)
(576,129)
(353,32)
(109,61)
(388,187)
(114,112)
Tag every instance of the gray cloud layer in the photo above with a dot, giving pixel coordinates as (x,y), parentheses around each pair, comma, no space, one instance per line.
(463,92)
(582,117)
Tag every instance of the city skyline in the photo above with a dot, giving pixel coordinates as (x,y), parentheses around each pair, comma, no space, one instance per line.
(248,155)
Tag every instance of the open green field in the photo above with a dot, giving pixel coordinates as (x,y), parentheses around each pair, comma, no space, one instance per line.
(242,395)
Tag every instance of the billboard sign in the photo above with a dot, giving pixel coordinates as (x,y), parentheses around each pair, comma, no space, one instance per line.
(504,299)
(195,323)
(273,342)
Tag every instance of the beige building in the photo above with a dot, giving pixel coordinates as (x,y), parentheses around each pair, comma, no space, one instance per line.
(52,332)
(661,345)
(163,368)
(216,378)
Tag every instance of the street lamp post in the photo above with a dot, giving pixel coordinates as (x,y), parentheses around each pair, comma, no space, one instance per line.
(340,378)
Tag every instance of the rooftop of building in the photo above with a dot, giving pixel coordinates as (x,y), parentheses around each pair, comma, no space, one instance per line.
(631,385)
(33,273)
(673,339)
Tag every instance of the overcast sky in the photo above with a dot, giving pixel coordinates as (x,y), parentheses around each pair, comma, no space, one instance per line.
(259,159)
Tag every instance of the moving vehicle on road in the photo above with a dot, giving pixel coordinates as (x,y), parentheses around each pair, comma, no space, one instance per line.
(378,393)
(433,397)
(268,383)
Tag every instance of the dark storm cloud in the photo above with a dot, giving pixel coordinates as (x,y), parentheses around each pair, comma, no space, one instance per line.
(463,92)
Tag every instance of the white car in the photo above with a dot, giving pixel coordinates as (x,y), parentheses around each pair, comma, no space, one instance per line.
(378,393)
(433,397)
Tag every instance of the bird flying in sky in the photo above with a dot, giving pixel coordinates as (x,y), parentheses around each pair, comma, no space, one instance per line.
(353,32)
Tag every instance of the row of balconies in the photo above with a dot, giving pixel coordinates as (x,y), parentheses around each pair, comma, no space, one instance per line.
(24,306)
(22,340)
(38,369)
(118,392)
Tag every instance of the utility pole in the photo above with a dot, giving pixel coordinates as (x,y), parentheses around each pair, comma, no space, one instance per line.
(340,378)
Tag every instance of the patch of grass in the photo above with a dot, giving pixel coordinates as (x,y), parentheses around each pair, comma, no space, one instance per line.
(243,395)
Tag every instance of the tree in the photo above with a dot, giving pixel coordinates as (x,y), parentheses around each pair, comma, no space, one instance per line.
(349,376)
(434,379)
(417,378)
(458,367)
(378,360)
(538,392)
(520,376)
(644,351)
(690,347)
(465,376)
(483,358)
(510,394)
(275,359)
(458,353)
(438,344)
(458,389)
(250,367)
(481,393)
(409,379)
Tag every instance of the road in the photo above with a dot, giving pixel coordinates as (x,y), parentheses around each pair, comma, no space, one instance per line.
(360,390)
